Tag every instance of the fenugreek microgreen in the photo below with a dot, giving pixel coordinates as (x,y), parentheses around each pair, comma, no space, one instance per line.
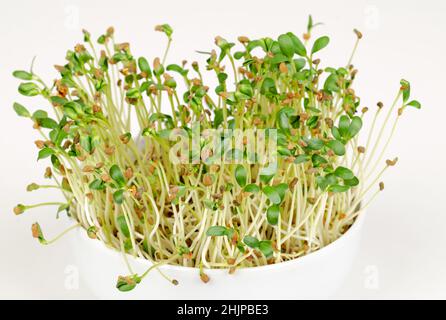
(117,156)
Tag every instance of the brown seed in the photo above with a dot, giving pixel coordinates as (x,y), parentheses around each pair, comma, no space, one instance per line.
(391,163)
(381,186)
(39,144)
(361,149)
(243,39)
(35,230)
(18,209)
(293,183)
(231,261)
(109,150)
(204,277)
(283,68)
(105,177)
(48,173)
(380,104)
(128,173)
(358,33)
(364,110)
(207,180)
(88,169)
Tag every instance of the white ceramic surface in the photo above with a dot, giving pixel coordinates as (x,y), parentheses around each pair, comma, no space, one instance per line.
(317,275)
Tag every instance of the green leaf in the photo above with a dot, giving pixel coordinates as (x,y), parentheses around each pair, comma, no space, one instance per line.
(405,88)
(302,158)
(45,153)
(268,87)
(116,174)
(272,194)
(415,104)
(122,224)
(97,184)
(176,68)
(240,175)
(351,182)
(299,47)
(344,124)
(39,114)
(125,284)
(211,205)
(167,29)
(331,83)
(314,143)
(216,231)
(286,45)
(23,75)
(281,189)
(251,242)
(322,182)
(266,248)
(320,44)
(144,66)
(29,89)
(21,110)
(48,123)
(355,126)
(344,173)
(317,160)
(337,147)
(118,196)
(335,132)
(272,214)
(85,142)
(253,188)
(267,173)
(338,188)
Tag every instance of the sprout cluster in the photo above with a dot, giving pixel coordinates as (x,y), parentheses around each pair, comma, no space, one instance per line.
(108,139)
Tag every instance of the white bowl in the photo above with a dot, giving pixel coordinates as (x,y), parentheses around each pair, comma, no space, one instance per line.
(316,275)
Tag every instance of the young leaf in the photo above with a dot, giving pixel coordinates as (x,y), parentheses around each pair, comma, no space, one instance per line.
(272,194)
(338,188)
(128,283)
(272,214)
(21,110)
(116,174)
(253,188)
(337,147)
(45,153)
(405,88)
(216,231)
(29,89)
(299,47)
(266,248)
(118,196)
(240,175)
(23,75)
(97,184)
(344,173)
(302,158)
(144,66)
(355,126)
(122,224)
(251,242)
(48,123)
(286,45)
(320,44)
(415,104)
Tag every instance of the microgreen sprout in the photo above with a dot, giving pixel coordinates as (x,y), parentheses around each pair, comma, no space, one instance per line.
(117,156)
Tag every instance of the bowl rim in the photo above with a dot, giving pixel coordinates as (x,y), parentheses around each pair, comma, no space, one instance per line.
(354,228)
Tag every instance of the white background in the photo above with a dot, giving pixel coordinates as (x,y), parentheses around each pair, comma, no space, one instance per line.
(403,248)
